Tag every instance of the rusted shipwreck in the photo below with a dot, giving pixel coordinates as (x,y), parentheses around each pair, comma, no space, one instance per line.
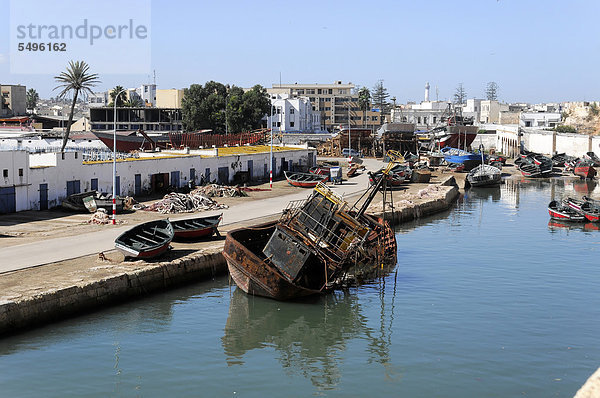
(312,249)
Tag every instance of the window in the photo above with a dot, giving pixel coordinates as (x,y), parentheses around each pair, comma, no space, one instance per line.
(278,110)
(434,119)
(319,91)
(20,172)
(291,111)
(300,91)
(278,124)
(5,173)
(274,124)
(291,124)
(330,91)
(342,91)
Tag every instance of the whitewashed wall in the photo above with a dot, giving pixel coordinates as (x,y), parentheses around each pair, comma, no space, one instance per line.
(56,169)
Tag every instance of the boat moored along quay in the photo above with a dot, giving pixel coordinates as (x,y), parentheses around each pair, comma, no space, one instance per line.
(196,228)
(147,240)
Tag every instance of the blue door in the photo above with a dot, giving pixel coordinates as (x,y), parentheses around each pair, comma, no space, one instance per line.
(73,187)
(251,169)
(137,187)
(175,179)
(223,175)
(118,186)
(8,201)
(94,184)
(207,176)
(43,196)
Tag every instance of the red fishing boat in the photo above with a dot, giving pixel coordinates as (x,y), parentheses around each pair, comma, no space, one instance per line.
(584,168)
(560,211)
(304,180)
(196,228)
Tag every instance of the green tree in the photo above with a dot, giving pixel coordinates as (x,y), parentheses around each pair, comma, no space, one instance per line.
(256,105)
(380,99)
(211,105)
(236,120)
(77,78)
(364,101)
(134,102)
(491,91)
(122,96)
(32,98)
(460,95)
(203,107)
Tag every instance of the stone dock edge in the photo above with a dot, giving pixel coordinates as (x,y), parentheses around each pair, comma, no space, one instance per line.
(57,304)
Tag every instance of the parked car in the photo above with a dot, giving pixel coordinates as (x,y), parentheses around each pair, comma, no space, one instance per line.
(350,152)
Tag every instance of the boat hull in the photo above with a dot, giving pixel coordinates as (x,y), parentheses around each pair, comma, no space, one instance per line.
(585,171)
(196,228)
(253,274)
(305,180)
(564,213)
(145,241)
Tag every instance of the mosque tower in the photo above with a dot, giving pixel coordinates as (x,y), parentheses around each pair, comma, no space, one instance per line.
(427,92)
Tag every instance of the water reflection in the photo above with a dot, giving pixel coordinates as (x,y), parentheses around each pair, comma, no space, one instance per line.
(310,337)
(486,193)
(584,186)
(556,225)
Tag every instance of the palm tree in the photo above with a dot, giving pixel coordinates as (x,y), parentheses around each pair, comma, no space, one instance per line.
(32,99)
(76,78)
(364,101)
(134,102)
(120,99)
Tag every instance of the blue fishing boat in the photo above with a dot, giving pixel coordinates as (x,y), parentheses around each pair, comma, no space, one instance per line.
(459,156)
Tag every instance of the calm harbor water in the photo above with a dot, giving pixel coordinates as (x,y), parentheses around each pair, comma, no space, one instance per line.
(489,299)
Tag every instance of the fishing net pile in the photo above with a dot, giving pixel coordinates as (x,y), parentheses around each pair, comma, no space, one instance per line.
(101,217)
(214,190)
(184,203)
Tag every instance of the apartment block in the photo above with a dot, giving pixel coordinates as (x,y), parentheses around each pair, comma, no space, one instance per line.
(336,103)
(13,100)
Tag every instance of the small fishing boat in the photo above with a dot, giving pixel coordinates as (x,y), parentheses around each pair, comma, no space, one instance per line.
(196,228)
(561,159)
(460,156)
(321,170)
(584,168)
(91,201)
(146,240)
(397,175)
(304,180)
(560,211)
(484,175)
(529,169)
(573,203)
(591,211)
(592,157)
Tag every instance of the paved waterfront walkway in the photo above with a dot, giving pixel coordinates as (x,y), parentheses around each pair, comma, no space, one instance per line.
(58,249)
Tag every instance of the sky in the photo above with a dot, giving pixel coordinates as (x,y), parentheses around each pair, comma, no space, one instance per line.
(536,51)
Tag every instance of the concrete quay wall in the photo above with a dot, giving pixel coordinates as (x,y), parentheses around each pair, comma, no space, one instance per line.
(53,305)
(433,199)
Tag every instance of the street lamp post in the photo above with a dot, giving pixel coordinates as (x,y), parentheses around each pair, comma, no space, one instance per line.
(271,155)
(114,187)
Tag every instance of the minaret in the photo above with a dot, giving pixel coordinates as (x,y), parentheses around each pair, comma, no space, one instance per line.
(427,92)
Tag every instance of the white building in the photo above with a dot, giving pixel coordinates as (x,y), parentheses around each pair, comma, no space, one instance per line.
(293,114)
(97,100)
(424,116)
(40,181)
(539,119)
(147,93)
